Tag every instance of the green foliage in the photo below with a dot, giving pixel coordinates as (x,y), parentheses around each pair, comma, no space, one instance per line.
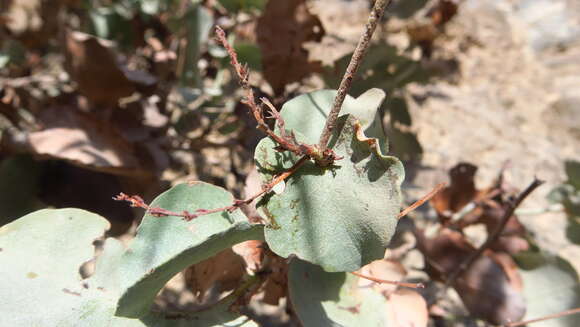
(382,68)
(333,299)
(44,274)
(250,54)
(405,143)
(245,5)
(116,22)
(568,194)
(44,251)
(12,52)
(573,173)
(165,246)
(111,23)
(406,8)
(551,288)
(340,217)
(198,22)
(385,68)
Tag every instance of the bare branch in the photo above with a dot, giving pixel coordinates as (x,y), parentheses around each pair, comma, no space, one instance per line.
(284,141)
(355,61)
(552,316)
(137,201)
(383,281)
(512,205)
(420,202)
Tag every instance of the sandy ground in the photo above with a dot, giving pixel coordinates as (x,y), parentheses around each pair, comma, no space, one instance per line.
(515,98)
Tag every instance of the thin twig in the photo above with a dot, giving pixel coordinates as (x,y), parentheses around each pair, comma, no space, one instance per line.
(231,298)
(250,100)
(511,207)
(552,316)
(355,61)
(474,204)
(420,202)
(268,187)
(285,142)
(383,281)
(137,201)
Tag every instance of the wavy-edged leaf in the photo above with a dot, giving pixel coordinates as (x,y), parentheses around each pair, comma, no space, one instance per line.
(165,246)
(341,217)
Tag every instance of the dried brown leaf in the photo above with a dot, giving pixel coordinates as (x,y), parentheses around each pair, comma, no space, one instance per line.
(252,252)
(489,208)
(275,286)
(490,288)
(383,269)
(282,30)
(511,239)
(460,192)
(406,308)
(444,252)
(211,279)
(92,65)
(84,140)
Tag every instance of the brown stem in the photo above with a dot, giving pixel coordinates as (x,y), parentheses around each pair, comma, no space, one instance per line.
(231,298)
(384,281)
(137,201)
(420,202)
(552,316)
(285,142)
(512,205)
(268,187)
(355,61)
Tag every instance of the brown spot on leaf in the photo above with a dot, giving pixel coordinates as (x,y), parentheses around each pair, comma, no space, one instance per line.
(31,275)
(354,309)
(67,291)
(271,219)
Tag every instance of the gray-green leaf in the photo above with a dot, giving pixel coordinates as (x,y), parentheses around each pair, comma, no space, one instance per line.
(164,246)
(40,256)
(333,299)
(341,217)
(549,289)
